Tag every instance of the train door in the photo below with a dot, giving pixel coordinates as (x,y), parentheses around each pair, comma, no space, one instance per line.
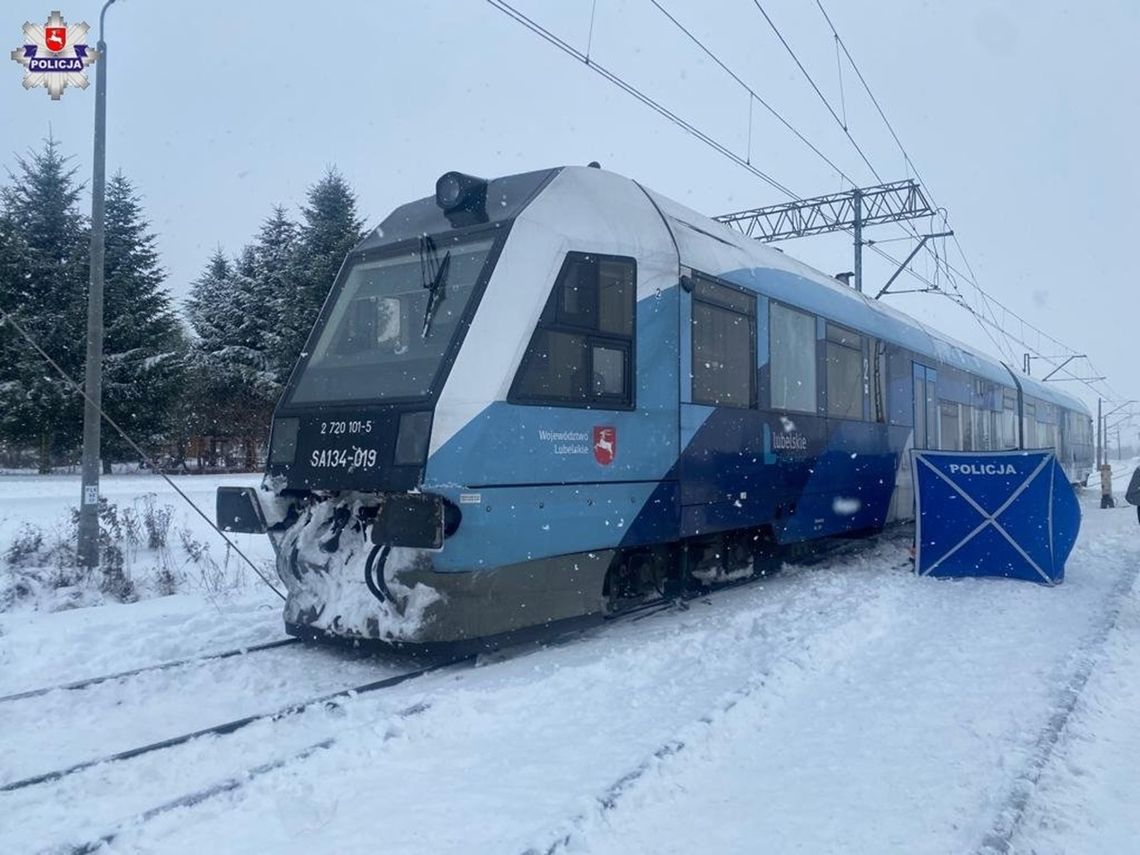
(926,419)
(725,463)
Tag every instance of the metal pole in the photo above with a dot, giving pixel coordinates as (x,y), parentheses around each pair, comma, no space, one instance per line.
(1099,423)
(93,383)
(857,203)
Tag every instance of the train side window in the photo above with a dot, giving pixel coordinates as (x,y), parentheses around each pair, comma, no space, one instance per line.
(792,359)
(724,345)
(846,386)
(1007,419)
(951,423)
(1030,421)
(581,353)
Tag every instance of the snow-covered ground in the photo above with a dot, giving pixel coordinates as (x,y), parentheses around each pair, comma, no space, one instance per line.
(847,707)
(37,524)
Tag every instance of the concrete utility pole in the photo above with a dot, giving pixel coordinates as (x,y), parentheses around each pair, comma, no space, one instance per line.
(93,381)
(1099,424)
(857,206)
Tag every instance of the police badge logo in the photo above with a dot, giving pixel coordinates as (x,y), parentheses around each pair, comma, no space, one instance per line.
(54,55)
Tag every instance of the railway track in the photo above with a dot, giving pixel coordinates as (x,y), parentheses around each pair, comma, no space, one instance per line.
(134,672)
(644,610)
(225,786)
(228,727)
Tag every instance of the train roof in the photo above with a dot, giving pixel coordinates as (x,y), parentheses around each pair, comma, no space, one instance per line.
(715,247)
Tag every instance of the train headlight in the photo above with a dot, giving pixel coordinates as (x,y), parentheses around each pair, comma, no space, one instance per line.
(412,439)
(448,191)
(456,193)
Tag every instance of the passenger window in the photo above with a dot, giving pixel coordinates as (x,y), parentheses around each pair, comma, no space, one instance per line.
(1007,420)
(581,353)
(1030,425)
(793,359)
(724,345)
(846,386)
(951,421)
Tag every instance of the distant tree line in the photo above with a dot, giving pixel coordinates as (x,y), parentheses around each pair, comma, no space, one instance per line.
(170,378)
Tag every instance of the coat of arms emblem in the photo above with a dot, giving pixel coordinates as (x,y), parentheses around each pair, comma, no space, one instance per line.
(605,444)
(54,55)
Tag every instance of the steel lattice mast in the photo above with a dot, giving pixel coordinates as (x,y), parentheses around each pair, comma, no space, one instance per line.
(852,210)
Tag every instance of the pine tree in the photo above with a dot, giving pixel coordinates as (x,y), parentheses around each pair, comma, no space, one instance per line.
(43,284)
(142,360)
(330,229)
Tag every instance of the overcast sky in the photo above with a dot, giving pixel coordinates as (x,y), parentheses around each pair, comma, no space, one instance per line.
(1022,118)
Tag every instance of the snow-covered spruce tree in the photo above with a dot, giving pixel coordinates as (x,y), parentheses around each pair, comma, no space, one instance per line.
(209,307)
(211,310)
(143,368)
(331,227)
(43,284)
(231,366)
(273,279)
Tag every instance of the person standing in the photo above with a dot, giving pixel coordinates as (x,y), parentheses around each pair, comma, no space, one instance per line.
(1106,500)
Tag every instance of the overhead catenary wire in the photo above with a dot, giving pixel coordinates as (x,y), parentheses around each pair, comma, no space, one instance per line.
(906,155)
(988,301)
(744,161)
(509,10)
(753,93)
(984,322)
(971,277)
(818,91)
(909,227)
(912,232)
(9,318)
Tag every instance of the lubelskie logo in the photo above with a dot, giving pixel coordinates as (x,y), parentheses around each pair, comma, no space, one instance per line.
(54,55)
(605,444)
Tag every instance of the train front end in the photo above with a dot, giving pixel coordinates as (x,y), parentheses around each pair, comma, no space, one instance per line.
(409,497)
(343,499)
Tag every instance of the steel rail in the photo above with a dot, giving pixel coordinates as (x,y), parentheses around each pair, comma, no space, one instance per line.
(162,666)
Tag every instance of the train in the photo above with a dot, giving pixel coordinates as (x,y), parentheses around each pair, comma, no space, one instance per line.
(550,396)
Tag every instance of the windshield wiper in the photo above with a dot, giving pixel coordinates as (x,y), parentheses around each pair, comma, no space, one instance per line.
(436,291)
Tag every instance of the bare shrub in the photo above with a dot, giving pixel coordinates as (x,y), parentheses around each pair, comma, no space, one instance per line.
(156,522)
(211,574)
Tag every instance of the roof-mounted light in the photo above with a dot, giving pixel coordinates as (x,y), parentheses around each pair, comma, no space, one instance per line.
(459,194)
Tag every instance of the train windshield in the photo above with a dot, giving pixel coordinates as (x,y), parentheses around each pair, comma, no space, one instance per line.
(394,317)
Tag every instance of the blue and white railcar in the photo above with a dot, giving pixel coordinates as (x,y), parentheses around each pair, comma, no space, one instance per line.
(539,397)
